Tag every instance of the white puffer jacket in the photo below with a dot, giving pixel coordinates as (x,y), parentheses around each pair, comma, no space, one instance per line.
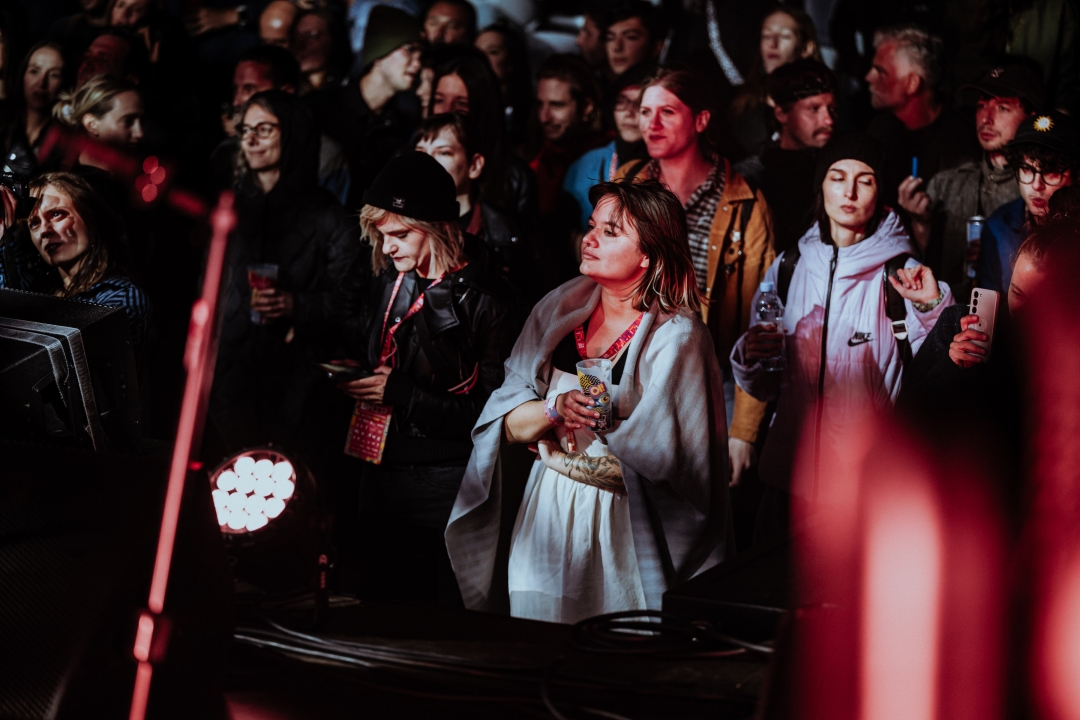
(862,365)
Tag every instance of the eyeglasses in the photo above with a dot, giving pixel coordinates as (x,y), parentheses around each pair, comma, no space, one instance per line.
(263,130)
(1026,174)
(625,104)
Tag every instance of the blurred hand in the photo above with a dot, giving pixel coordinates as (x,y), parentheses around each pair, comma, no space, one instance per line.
(763,341)
(206,19)
(273,303)
(578,410)
(916,284)
(962,350)
(914,199)
(370,389)
(741,456)
(9,202)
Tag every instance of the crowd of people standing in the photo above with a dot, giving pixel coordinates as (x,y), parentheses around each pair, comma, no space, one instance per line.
(443,209)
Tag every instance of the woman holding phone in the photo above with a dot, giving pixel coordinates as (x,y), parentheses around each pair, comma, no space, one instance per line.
(435,332)
(611,516)
(842,351)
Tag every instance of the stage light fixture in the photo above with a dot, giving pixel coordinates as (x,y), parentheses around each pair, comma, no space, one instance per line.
(252,489)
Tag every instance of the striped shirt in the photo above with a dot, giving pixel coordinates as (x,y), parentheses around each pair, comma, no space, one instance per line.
(700,209)
(120,292)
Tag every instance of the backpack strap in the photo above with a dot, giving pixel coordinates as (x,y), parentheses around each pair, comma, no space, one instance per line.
(787,269)
(895,307)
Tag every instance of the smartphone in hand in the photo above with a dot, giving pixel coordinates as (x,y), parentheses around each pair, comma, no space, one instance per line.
(344,373)
(984,303)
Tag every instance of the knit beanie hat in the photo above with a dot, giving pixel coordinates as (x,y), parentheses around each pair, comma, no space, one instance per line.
(851,146)
(416,186)
(388,29)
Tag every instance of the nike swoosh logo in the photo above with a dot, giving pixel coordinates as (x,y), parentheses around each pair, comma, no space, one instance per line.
(861,341)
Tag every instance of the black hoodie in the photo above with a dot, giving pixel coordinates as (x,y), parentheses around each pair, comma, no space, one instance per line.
(266,386)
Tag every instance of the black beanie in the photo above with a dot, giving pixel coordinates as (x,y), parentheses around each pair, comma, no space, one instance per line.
(851,146)
(416,186)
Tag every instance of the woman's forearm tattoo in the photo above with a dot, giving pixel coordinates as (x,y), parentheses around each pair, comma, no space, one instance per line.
(604,472)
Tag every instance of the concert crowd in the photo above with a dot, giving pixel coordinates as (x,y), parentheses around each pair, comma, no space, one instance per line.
(550,297)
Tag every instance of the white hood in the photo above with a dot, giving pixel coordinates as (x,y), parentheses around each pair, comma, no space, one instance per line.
(863,363)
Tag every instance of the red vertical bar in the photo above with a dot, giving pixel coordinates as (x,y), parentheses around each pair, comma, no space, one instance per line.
(199,357)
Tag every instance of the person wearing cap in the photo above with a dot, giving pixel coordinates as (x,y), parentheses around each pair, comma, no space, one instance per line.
(939,210)
(804,108)
(842,354)
(1045,155)
(434,332)
(374,117)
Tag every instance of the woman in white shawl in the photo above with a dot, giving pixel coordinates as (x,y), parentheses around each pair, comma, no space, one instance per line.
(641,505)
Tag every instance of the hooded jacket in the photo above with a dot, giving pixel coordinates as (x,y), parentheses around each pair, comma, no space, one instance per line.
(843,307)
(266,386)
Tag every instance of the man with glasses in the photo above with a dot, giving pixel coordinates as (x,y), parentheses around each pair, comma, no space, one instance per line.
(1045,154)
(939,210)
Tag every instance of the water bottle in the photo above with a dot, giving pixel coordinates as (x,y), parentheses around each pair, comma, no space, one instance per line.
(770,313)
(975,225)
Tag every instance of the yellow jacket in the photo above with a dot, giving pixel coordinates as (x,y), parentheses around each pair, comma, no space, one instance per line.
(733,254)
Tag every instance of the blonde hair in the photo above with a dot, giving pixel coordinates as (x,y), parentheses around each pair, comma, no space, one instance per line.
(447,242)
(94,98)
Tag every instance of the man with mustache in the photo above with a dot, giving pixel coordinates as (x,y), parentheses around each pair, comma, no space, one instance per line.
(804,107)
(1008,95)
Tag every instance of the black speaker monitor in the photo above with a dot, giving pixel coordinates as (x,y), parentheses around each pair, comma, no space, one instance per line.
(67,373)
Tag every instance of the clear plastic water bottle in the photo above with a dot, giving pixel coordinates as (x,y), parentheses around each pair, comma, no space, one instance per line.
(770,315)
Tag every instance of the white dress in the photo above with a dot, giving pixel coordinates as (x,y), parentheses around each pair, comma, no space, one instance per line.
(572,551)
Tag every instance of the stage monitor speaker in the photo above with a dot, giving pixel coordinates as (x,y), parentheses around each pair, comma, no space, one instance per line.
(78,536)
(67,373)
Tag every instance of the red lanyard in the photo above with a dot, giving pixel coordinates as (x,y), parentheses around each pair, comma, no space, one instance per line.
(388,346)
(619,344)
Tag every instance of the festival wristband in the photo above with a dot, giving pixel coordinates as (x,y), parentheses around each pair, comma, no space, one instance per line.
(551,413)
(927,307)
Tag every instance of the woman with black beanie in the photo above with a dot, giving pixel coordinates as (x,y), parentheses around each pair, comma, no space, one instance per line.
(844,354)
(433,345)
(293,263)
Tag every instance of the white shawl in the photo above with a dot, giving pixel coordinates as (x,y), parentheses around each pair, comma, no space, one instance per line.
(672,448)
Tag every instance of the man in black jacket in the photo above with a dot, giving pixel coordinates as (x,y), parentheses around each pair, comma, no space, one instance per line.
(373,117)
(801,94)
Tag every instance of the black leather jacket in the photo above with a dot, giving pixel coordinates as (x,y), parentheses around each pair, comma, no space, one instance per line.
(461,337)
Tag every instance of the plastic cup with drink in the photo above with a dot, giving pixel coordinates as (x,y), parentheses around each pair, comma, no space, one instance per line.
(262,276)
(594,376)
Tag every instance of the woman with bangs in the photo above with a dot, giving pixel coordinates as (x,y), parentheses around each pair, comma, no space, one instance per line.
(617,510)
(433,339)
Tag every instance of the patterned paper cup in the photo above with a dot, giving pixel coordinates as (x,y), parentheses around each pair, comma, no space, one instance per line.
(594,376)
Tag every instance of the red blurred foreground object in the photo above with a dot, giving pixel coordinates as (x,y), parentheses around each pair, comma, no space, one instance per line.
(199,357)
(901,589)
(1052,540)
